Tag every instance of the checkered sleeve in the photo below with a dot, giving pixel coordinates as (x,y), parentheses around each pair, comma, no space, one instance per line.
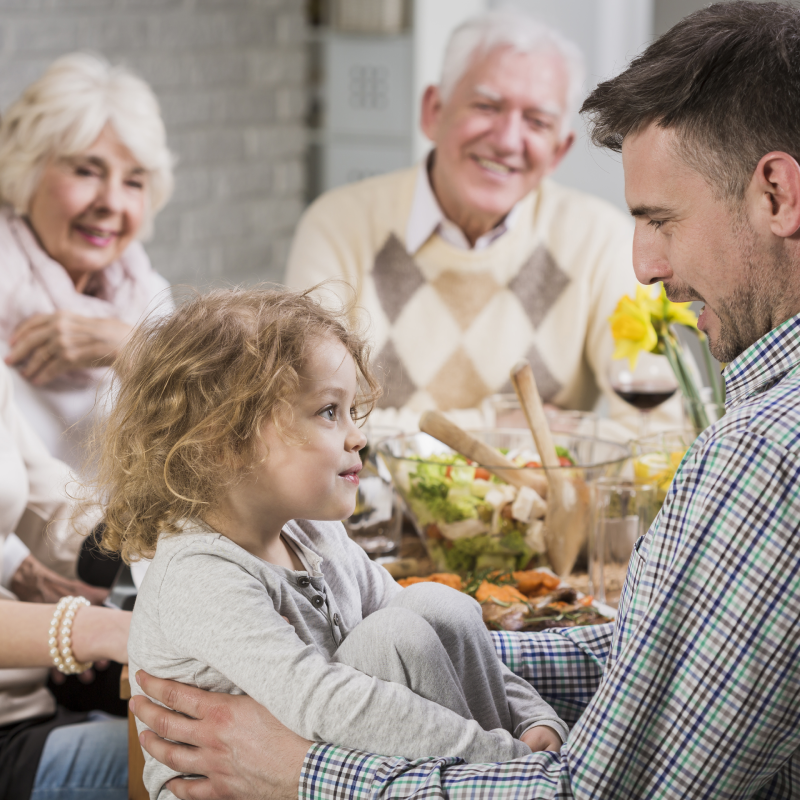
(334,773)
(564,665)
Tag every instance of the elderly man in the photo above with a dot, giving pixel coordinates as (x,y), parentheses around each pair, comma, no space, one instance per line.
(471,261)
(693,691)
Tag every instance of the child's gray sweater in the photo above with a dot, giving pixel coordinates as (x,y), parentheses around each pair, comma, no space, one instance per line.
(210,614)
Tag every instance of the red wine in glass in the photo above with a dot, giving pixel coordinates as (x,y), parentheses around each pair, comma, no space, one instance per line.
(645,386)
(647,395)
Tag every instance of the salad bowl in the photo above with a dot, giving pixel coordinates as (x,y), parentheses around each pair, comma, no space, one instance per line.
(469,519)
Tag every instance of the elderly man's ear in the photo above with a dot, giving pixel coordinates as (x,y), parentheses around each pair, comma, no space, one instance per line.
(774,195)
(430,111)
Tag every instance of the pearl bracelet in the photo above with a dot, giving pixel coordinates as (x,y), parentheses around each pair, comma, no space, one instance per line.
(60,636)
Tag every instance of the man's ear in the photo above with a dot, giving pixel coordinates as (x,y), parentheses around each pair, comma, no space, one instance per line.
(561,150)
(430,112)
(774,192)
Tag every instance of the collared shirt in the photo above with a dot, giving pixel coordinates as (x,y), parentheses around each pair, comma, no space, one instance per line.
(693,692)
(427,218)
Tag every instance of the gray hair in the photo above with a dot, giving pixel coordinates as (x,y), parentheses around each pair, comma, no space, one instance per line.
(523,34)
(62,114)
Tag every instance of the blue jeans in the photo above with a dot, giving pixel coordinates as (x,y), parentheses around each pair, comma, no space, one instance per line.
(88,761)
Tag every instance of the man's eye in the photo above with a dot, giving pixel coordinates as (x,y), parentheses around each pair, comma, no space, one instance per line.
(655,223)
(539,123)
(135,183)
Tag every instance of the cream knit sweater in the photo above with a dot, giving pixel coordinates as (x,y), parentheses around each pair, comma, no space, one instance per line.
(447,324)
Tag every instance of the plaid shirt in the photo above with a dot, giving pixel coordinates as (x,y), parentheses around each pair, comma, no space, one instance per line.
(694,691)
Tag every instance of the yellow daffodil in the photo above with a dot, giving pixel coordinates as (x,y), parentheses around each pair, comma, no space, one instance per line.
(632,329)
(646,301)
(644,324)
(672,313)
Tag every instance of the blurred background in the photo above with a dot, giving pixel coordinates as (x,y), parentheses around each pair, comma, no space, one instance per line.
(269,102)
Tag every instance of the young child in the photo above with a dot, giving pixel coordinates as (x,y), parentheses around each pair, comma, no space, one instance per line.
(230,457)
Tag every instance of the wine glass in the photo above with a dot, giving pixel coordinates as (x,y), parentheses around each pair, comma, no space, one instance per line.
(651,383)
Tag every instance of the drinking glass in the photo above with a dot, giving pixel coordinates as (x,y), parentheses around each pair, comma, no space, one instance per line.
(623,511)
(656,458)
(377,521)
(651,383)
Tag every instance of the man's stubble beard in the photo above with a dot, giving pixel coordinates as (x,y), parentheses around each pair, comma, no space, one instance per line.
(747,313)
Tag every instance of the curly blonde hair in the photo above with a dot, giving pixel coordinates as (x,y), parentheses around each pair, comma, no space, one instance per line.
(191,394)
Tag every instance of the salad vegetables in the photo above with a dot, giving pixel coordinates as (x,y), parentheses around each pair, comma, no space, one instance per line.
(474,521)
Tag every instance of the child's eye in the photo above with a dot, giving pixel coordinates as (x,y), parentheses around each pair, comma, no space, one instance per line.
(329,413)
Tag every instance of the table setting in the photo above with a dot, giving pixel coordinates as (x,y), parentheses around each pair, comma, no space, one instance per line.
(534,514)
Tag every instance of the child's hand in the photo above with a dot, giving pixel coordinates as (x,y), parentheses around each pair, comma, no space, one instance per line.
(541,738)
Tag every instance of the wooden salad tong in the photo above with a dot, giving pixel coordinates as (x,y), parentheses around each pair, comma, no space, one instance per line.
(568,513)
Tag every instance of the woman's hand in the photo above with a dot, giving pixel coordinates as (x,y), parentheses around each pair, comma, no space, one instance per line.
(240,748)
(33,582)
(45,346)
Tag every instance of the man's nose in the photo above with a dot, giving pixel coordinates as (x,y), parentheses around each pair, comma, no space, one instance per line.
(650,262)
(507,132)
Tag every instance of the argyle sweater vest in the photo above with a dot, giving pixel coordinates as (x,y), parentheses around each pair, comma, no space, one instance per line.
(447,324)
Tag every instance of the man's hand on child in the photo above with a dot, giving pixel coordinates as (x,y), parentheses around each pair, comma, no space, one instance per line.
(541,738)
(241,749)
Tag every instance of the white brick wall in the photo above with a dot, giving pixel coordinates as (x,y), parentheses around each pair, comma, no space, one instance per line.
(230,76)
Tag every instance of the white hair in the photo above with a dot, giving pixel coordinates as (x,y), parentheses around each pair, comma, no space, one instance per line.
(62,114)
(523,34)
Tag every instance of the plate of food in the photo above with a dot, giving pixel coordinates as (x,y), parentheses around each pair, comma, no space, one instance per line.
(524,600)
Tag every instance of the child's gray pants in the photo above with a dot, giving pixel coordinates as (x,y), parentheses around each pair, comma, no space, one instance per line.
(432,639)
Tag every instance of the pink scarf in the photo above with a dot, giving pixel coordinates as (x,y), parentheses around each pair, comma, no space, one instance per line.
(125,289)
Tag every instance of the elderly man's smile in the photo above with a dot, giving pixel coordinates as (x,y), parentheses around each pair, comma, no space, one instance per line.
(495,167)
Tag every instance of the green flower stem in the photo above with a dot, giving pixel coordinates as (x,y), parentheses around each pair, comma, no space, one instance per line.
(714,376)
(675,355)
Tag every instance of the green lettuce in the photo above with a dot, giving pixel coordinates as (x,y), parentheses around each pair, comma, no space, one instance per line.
(436,497)
(506,553)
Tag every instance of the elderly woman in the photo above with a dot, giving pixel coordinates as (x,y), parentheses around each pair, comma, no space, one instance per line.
(46,751)
(84,168)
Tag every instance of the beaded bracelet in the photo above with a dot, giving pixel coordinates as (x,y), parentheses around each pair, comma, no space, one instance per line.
(60,636)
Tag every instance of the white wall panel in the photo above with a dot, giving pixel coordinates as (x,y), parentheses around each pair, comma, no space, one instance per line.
(368,91)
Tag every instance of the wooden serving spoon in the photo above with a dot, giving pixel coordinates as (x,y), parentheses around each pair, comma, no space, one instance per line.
(436,424)
(567,515)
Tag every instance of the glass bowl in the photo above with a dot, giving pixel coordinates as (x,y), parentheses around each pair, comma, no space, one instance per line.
(472,521)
